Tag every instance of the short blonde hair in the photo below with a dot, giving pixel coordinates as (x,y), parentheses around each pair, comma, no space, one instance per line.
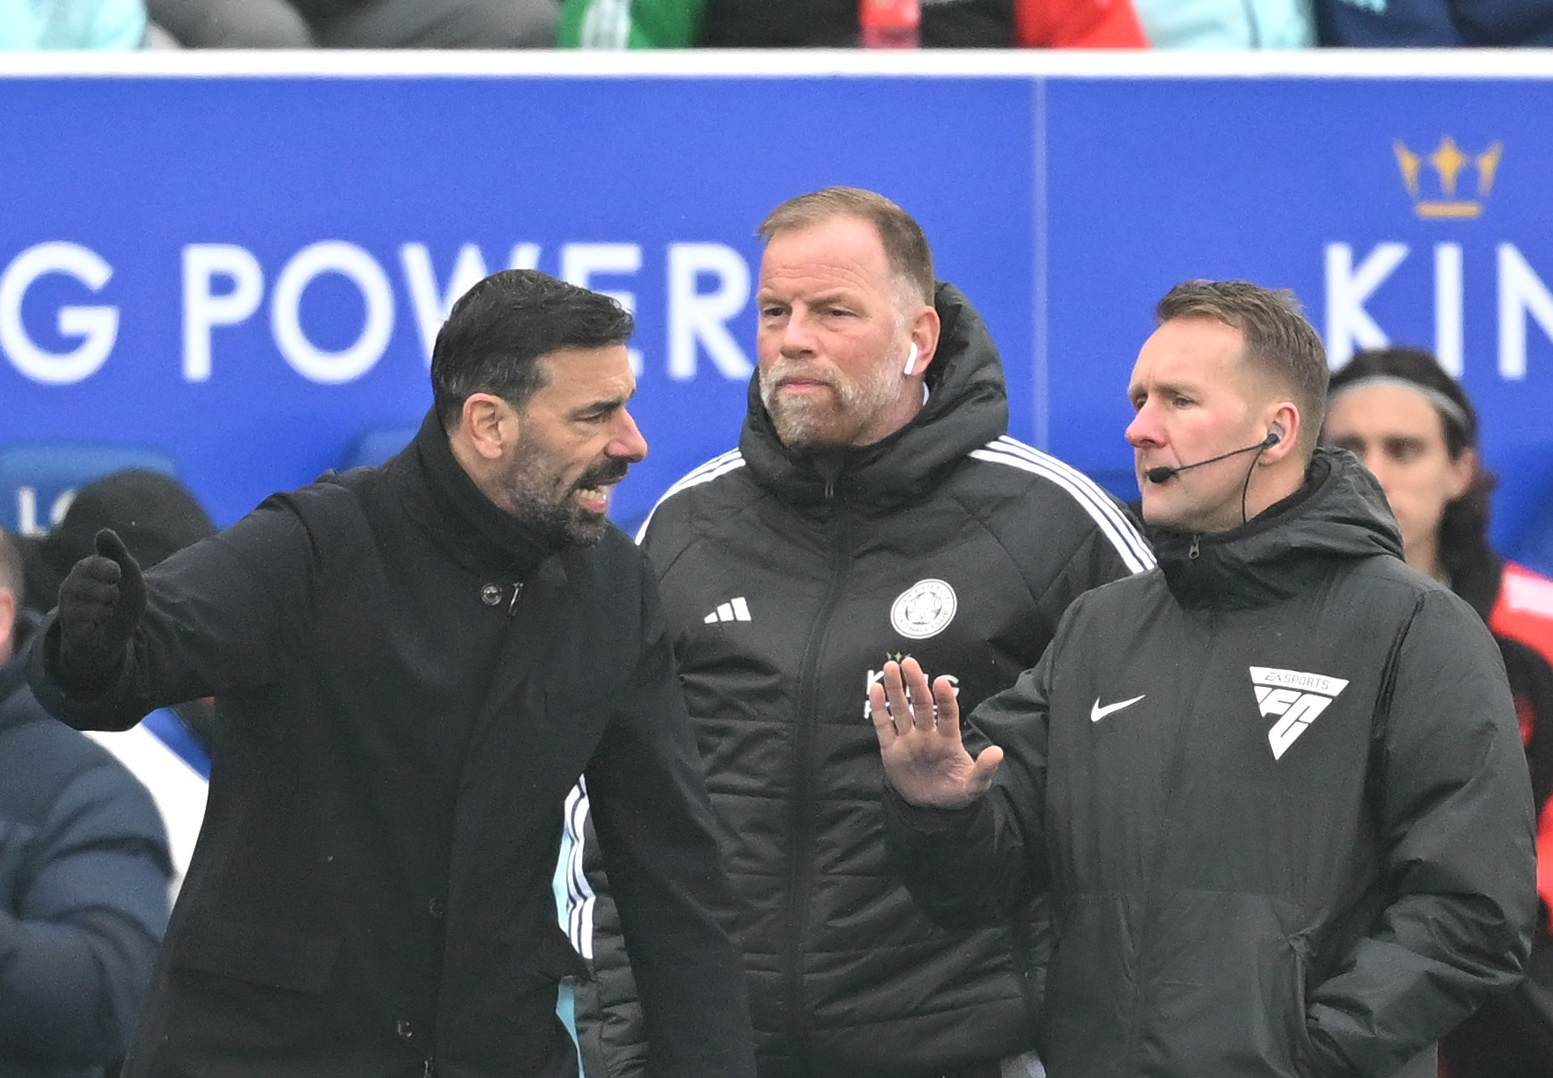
(1279,341)
(905,246)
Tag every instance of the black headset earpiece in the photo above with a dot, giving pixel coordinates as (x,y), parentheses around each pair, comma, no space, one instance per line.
(1274,436)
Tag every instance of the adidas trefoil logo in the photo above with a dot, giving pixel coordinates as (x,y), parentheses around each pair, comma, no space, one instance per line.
(1297,698)
(732,610)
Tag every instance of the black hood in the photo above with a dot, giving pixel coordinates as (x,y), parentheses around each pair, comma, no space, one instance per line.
(1340,513)
(967,407)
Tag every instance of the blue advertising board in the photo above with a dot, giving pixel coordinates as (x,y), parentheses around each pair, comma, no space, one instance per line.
(1406,211)
(246,270)
(250,272)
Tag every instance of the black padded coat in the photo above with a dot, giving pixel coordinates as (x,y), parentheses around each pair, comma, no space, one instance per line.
(1276,794)
(788,582)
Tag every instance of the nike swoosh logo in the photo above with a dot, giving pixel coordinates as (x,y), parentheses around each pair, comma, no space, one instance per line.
(1096,713)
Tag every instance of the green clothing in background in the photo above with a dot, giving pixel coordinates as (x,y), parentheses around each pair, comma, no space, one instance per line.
(631,24)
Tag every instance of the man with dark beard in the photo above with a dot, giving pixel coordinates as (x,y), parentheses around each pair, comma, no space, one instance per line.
(412,664)
(875,507)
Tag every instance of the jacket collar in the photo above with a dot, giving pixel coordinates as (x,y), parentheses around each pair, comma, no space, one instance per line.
(457,513)
(967,407)
(1339,514)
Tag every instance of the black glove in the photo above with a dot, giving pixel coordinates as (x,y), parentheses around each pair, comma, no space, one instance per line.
(100,604)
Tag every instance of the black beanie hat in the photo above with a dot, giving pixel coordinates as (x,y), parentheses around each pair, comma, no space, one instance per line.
(153,513)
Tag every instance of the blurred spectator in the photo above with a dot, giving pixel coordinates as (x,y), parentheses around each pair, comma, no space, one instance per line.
(155,516)
(71,24)
(1227,24)
(1450,23)
(834,24)
(153,513)
(1413,426)
(83,879)
(359,24)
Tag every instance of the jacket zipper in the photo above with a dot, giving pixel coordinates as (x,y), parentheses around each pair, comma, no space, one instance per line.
(801,810)
(1161,846)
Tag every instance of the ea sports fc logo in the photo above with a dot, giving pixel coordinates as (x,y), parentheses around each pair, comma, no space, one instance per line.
(1295,698)
(925,609)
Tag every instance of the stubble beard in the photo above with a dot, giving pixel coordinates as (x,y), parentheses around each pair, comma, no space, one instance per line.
(557,523)
(833,421)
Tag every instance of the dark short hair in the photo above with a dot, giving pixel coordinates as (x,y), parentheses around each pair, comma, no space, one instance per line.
(11,575)
(905,245)
(1279,341)
(500,327)
(1463,531)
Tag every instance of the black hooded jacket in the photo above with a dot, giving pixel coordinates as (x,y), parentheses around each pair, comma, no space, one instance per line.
(788,581)
(1275,793)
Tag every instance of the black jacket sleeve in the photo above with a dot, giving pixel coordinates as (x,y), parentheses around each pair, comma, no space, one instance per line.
(654,826)
(1453,804)
(214,623)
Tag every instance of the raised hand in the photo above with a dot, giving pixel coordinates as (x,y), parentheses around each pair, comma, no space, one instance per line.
(100,603)
(918,727)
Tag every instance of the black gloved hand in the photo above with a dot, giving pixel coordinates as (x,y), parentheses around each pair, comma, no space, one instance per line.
(100,604)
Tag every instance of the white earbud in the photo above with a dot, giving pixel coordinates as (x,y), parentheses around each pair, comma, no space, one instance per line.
(911,359)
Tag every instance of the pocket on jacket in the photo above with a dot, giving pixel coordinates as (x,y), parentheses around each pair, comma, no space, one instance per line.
(555,959)
(274,958)
(1224,985)
(1305,1062)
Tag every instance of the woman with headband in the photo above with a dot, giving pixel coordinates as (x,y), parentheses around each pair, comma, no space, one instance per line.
(1412,425)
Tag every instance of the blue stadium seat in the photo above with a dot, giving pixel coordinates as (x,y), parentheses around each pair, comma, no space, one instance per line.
(38,479)
(375,446)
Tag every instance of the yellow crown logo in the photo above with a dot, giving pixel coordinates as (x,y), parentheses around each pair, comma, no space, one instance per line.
(1448,162)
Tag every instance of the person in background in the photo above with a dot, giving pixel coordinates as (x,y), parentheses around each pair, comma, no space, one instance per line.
(1274,790)
(156,516)
(1398,24)
(112,25)
(358,24)
(1227,24)
(956,24)
(84,874)
(1414,428)
(875,506)
(412,665)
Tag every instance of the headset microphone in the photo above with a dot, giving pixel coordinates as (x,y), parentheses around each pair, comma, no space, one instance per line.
(1165,473)
(911,360)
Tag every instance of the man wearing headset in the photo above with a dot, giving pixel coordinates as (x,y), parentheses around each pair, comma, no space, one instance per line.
(1274,789)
